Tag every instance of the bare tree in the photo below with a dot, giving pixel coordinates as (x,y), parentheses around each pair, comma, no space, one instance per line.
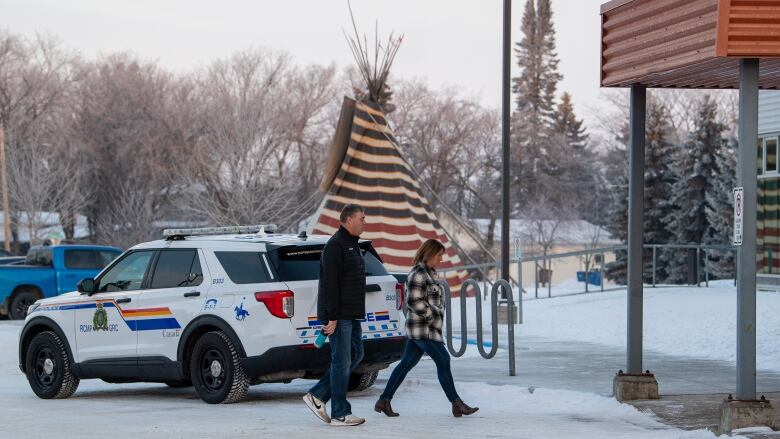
(34,80)
(262,135)
(42,183)
(545,223)
(123,120)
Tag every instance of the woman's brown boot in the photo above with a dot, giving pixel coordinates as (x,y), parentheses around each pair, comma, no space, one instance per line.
(383,406)
(459,408)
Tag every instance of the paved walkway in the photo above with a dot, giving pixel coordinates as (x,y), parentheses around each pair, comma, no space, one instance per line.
(691,389)
(590,367)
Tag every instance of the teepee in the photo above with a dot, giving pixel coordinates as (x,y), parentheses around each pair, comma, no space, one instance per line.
(366,166)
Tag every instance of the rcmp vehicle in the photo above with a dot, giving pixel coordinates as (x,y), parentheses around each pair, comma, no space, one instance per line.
(218,308)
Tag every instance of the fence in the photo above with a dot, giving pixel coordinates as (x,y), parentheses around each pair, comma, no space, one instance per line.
(595,261)
(507,299)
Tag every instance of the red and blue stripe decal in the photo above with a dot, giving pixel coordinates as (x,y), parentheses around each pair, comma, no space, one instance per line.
(142,319)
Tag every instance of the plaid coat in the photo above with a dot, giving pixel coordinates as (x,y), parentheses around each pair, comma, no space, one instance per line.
(425,305)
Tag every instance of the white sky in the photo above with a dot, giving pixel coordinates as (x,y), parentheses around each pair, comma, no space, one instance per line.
(447,42)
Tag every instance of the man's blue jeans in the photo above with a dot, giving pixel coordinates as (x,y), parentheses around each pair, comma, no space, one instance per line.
(412,354)
(346,352)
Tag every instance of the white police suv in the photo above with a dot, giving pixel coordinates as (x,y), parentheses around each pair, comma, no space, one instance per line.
(219,309)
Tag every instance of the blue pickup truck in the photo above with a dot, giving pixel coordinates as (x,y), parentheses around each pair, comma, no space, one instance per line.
(49,271)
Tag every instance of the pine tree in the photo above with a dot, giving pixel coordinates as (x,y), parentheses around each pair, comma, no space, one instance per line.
(566,123)
(695,169)
(577,159)
(534,118)
(617,211)
(527,86)
(720,211)
(659,179)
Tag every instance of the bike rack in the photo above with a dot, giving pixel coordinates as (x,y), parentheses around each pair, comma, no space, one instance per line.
(507,290)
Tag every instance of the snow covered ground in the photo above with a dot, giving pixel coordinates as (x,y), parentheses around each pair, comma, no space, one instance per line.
(686,321)
(100,410)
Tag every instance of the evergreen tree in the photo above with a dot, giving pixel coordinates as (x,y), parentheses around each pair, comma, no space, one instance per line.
(566,123)
(578,161)
(533,137)
(695,169)
(659,179)
(720,211)
(617,211)
(538,62)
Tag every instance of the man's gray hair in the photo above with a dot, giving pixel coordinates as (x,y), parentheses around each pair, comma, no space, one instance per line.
(348,211)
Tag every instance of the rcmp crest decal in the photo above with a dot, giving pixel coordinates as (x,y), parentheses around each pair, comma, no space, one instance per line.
(100,318)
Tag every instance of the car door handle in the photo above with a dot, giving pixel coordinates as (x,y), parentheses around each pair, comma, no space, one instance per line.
(192,294)
(124,300)
(373,288)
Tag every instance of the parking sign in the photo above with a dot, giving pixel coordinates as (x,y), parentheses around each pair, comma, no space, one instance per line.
(738,211)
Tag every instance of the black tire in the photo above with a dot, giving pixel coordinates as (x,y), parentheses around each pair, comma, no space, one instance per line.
(19,304)
(216,371)
(359,382)
(48,367)
(178,384)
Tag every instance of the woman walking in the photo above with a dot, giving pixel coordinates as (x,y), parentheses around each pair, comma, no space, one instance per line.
(423,330)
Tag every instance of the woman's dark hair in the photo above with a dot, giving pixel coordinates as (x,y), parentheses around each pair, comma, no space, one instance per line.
(429,249)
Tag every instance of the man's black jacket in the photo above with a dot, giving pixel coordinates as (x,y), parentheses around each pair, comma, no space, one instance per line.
(342,287)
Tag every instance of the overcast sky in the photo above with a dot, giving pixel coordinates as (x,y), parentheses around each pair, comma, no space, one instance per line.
(447,42)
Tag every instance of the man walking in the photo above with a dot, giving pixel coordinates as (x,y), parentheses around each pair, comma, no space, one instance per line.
(341,304)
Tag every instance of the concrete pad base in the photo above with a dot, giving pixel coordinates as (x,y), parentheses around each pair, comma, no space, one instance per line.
(736,414)
(632,387)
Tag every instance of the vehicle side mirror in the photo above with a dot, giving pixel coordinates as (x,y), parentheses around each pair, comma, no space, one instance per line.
(86,286)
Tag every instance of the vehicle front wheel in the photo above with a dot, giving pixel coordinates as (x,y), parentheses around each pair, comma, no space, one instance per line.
(48,367)
(216,371)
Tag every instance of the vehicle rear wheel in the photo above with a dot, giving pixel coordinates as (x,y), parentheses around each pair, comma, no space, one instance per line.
(19,304)
(48,367)
(216,371)
(362,381)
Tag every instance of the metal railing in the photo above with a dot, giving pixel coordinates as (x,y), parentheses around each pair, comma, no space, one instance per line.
(484,268)
(507,294)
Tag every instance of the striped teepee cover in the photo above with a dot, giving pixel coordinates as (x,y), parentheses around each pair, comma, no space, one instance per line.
(366,167)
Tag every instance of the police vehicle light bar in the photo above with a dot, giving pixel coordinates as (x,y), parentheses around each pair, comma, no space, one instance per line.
(260,228)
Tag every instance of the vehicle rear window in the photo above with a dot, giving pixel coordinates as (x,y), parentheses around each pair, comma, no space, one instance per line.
(177,268)
(41,256)
(303,263)
(243,267)
(89,259)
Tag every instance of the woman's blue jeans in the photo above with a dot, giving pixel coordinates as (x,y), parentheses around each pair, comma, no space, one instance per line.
(412,354)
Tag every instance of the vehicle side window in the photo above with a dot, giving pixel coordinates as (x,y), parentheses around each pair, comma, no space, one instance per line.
(177,268)
(86,259)
(41,257)
(127,274)
(297,263)
(243,267)
(107,257)
(374,266)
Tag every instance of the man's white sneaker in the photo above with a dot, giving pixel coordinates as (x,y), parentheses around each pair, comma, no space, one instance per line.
(317,407)
(349,421)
